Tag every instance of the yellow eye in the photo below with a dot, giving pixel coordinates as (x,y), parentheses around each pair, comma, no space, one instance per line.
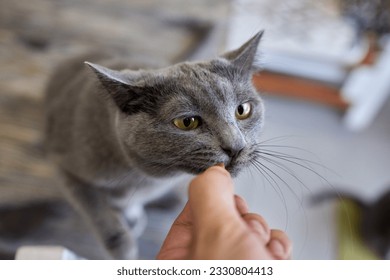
(243,111)
(188,123)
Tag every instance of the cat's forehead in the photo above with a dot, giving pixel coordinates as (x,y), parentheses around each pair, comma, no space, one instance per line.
(203,80)
(203,88)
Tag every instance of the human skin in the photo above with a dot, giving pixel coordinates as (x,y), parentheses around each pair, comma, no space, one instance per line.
(216,224)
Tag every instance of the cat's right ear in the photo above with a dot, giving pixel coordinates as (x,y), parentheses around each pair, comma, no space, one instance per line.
(243,58)
(122,87)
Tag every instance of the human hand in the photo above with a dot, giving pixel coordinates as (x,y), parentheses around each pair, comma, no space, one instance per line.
(215,224)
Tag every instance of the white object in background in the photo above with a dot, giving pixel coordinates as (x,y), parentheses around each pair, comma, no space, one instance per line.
(302,37)
(367,89)
(45,253)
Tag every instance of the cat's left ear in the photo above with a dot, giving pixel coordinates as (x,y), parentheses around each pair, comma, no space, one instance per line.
(244,57)
(126,88)
(106,74)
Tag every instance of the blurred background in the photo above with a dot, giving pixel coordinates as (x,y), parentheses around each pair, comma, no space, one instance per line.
(325,82)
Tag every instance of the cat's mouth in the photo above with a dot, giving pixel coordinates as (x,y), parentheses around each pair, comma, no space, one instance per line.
(234,170)
(234,166)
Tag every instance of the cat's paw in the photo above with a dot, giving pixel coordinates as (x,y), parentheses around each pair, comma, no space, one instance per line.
(137,220)
(121,246)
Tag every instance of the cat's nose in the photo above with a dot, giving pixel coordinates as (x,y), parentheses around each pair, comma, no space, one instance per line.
(233,151)
(232,142)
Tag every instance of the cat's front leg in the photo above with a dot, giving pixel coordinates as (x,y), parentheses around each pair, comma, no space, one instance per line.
(107,222)
(136,218)
(117,237)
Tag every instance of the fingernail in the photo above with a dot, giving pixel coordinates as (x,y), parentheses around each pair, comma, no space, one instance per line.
(276,247)
(221,165)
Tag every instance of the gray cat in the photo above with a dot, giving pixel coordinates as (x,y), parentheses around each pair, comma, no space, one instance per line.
(123,138)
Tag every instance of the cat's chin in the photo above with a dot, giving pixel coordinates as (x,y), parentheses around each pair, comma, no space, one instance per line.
(196,171)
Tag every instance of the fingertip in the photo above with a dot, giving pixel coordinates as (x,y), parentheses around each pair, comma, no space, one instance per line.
(258,225)
(214,177)
(280,245)
(277,249)
(241,205)
(219,169)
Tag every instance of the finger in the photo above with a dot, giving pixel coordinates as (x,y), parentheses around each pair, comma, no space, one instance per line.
(280,245)
(179,237)
(211,197)
(258,225)
(241,205)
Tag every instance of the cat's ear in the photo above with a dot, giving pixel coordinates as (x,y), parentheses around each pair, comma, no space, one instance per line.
(244,57)
(108,75)
(122,86)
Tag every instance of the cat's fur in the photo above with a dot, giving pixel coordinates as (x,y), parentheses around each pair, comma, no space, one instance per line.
(374,224)
(112,134)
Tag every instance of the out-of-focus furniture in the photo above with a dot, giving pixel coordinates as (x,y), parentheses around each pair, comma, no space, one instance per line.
(310,52)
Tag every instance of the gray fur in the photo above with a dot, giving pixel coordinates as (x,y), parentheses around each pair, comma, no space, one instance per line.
(113,139)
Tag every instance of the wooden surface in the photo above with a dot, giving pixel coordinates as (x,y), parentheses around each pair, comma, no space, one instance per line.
(299,88)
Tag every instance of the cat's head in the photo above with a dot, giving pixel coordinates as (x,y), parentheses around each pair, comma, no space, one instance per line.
(189,116)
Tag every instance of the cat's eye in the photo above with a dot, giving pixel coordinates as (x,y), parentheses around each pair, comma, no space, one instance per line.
(243,111)
(187,123)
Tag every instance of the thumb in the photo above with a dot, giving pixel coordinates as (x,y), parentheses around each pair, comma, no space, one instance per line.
(211,196)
